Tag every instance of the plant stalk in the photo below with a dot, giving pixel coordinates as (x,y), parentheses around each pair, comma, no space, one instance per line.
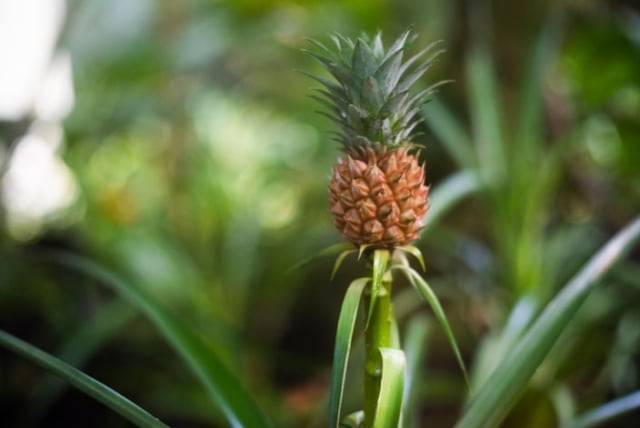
(378,334)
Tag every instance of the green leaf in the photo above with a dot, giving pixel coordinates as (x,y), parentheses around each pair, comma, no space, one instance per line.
(339,261)
(427,293)
(530,114)
(389,407)
(108,320)
(450,133)
(363,248)
(497,344)
(607,412)
(415,252)
(380,263)
(223,386)
(371,95)
(407,81)
(82,381)
(494,399)
(353,420)
(376,45)
(344,337)
(485,113)
(398,45)
(451,191)
(415,341)
(388,74)
(364,63)
(329,251)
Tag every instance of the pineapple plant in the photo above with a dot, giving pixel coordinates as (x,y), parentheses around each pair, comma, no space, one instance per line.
(378,197)
(378,201)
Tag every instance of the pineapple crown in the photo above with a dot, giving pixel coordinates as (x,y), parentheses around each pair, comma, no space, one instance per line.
(369,96)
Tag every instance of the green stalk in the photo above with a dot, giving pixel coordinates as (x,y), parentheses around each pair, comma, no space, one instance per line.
(378,334)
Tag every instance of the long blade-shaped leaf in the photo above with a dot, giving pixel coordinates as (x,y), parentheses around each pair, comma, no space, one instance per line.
(450,133)
(546,45)
(607,412)
(108,320)
(344,337)
(390,400)
(494,399)
(415,252)
(336,265)
(415,342)
(451,191)
(427,293)
(222,385)
(485,113)
(82,381)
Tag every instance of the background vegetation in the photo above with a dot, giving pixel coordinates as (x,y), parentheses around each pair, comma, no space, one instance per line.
(193,164)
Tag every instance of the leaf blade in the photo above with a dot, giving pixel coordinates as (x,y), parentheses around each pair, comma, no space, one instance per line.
(342,348)
(430,297)
(606,412)
(223,387)
(390,400)
(493,400)
(87,384)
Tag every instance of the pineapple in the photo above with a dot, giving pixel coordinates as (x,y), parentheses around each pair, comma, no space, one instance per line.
(377,193)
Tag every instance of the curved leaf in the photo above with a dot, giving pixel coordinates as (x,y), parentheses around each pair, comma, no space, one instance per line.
(607,412)
(415,252)
(344,337)
(427,293)
(108,320)
(328,251)
(390,400)
(82,381)
(415,343)
(223,386)
(451,191)
(493,400)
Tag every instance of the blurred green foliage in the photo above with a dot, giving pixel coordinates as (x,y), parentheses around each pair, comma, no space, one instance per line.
(202,167)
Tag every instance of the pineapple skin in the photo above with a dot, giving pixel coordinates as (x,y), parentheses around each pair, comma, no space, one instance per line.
(379,198)
(377,193)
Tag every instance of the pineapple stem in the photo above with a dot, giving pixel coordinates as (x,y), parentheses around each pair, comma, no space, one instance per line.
(378,334)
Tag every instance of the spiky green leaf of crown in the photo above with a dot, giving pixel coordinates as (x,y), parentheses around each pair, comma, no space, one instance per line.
(369,96)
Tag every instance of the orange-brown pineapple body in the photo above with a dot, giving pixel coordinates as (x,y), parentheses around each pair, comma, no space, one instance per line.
(380,198)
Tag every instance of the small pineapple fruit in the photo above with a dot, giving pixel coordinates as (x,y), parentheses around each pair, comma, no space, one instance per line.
(377,191)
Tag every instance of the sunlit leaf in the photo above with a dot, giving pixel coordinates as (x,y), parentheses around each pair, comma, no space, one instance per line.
(415,252)
(362,249)
(390,400)
(353,420)
(344,337)
(606,412)
(495,398)
(82,381)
